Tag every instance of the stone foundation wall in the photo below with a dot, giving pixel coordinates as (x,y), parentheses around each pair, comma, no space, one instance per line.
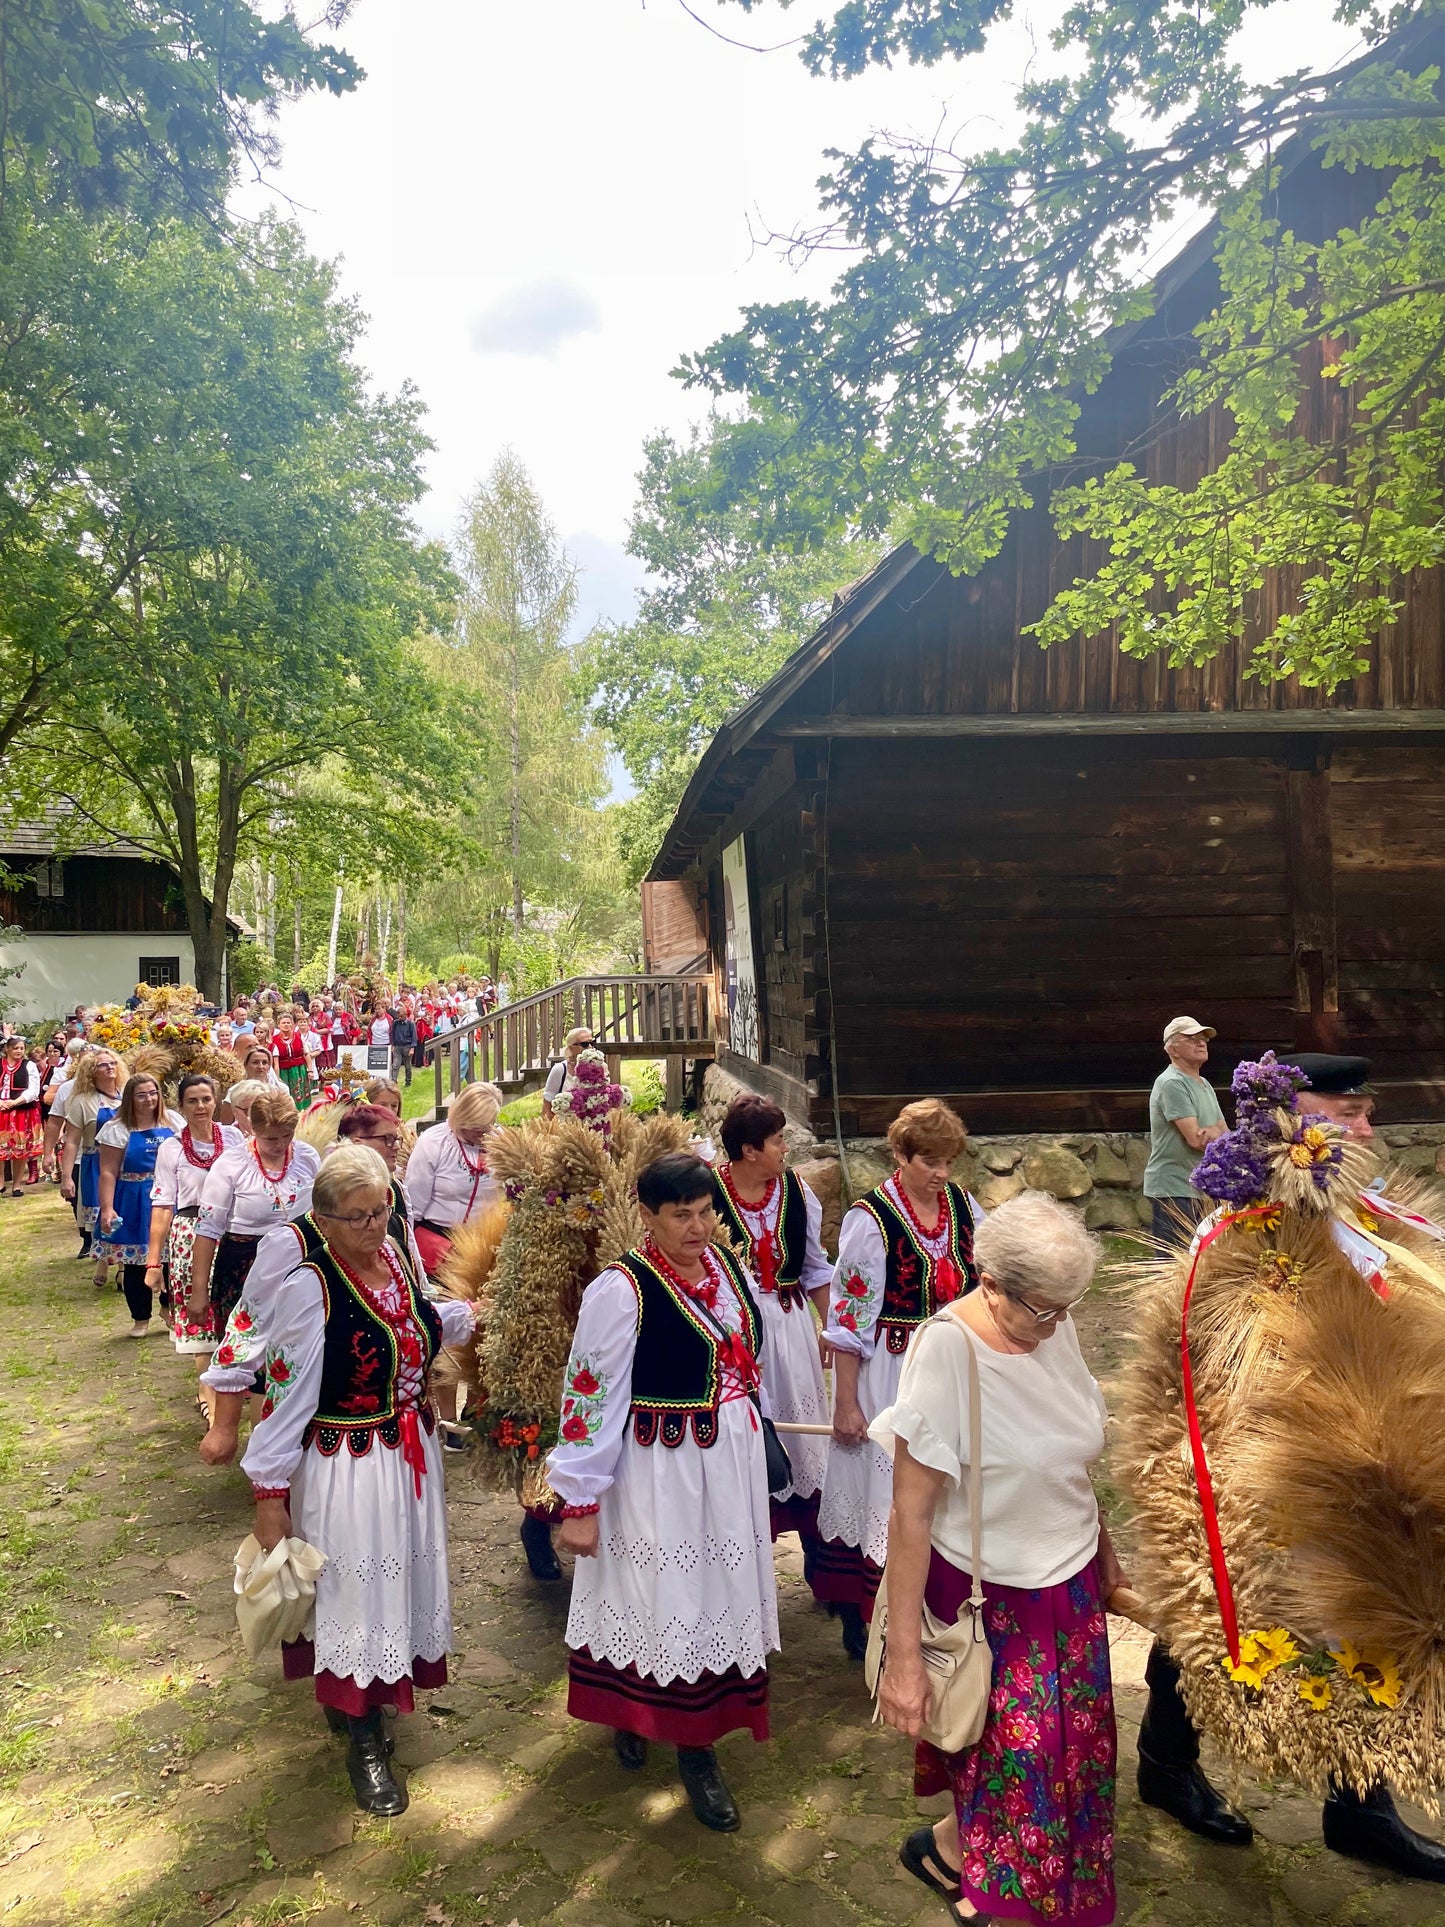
(1099,1172)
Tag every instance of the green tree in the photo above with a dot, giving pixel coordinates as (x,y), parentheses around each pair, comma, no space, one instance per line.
(720,616)
(149,104)
(512,671)
(942,378)
(264,634)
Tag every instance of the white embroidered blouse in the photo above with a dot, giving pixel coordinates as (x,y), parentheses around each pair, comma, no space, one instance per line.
(443,1182)
(179,1183)
(238,1196)
(860,1273)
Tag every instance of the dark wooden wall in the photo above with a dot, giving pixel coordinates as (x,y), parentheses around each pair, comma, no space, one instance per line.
(100,894)
(1018,920)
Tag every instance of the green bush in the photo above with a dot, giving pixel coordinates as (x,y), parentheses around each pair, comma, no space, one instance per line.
(460,963)
(644,1079)
(248,966)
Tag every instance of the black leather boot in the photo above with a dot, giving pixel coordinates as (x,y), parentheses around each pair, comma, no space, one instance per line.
(369,1769)
(707,1789)
(1369,1828)
(631,1750)
(855,1633)
(537,1544)
(341,1727)
(1170,1776)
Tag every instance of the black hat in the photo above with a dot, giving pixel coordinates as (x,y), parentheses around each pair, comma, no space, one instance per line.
(1332,1076)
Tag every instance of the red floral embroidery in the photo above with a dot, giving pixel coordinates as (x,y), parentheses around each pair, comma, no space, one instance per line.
(585,1382)
(226,1355)
(279,1370)
(241,1319)
(574,1429)
(855,1286)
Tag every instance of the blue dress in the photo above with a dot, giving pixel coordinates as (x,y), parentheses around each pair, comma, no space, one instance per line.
(129,1242)
(90,1172)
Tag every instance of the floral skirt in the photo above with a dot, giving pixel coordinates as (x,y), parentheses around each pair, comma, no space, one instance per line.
(21,1132)
(188,1333)
(297,1079)
(1035,1797)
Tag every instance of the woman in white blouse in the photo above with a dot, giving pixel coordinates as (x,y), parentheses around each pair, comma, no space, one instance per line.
(346,1458)
(1032,1824)
(182,1167)
(251,1189)
(447,1178)
(260,1066)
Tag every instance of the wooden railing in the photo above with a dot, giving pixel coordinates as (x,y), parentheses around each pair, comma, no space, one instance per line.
(668,1017)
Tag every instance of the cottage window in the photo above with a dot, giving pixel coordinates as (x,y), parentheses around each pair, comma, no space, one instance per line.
(157,971)
(50,879)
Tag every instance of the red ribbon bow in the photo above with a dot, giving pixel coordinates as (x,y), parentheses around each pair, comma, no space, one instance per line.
(946,1282)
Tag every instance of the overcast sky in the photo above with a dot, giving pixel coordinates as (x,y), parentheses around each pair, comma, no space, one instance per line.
(541,204)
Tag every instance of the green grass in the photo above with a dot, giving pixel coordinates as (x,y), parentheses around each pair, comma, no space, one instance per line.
(642,1076)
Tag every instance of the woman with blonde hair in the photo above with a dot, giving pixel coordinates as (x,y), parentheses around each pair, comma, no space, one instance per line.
(1031,1833)
(904,1251)
(93,1101)
(346,1458)
(236,1105)
(447,1178)
(250,1190)
(128,1146)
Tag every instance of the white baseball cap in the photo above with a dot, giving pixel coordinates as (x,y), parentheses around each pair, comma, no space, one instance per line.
(1186,1027)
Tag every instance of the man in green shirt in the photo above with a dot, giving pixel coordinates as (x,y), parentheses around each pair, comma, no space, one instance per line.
(1184,1116)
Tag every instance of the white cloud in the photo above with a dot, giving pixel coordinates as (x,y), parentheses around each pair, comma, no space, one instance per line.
(536,320)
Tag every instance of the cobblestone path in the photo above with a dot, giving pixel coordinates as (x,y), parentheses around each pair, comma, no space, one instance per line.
(149,1774)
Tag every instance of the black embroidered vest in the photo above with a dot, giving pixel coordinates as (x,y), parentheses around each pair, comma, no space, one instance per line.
(398,1222)
(676,1375)
(791,1233)
(908,1285)
(357,1396)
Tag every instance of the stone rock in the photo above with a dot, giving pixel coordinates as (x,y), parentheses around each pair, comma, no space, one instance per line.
(1440,1160)
(869,1162)
(1061,1173)
(1111,1166)
(1137,1154)
(824,1177)
(1111,1211)
(998,1157)
(994,1191)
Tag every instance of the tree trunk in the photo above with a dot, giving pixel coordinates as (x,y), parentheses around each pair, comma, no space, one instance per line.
(296,940)
(207,924)
(385,933)
(335,925)
(362,913)
(515,694)
(400,934)
(270,912)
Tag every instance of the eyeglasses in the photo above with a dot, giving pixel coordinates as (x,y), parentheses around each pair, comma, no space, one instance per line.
(391,1143)
(359,1220)
(1049,1317)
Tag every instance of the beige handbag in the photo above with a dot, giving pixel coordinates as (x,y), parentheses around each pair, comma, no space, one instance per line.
(275,1591)
(957,1657)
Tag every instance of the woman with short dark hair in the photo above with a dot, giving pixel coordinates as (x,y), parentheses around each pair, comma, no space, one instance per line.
(660,1466)
(904,1250)
(182,1167)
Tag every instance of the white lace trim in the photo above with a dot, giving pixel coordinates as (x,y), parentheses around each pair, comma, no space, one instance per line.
(381,1652)
(676,1650)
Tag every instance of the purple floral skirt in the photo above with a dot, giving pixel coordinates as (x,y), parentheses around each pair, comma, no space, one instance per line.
(1035,1797)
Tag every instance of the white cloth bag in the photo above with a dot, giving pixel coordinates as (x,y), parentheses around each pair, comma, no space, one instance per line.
(275,1591)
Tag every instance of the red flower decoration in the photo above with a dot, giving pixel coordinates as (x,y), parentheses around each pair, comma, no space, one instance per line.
(225,1355)
(575,1430)
(847,1321)
(855,1286)
(241,1319)
(279,1370)
(268,1406)
(585,1383)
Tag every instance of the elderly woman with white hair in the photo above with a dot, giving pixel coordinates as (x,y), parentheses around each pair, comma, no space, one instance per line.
(1031,1834)
(346,1457)
(559,1077)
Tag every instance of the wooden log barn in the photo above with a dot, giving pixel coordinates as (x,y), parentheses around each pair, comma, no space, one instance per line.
(932,858)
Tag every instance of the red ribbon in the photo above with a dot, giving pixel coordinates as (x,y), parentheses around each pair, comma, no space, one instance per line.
(411,1446)
(946,1281)
(766,1254)
(1204,1484)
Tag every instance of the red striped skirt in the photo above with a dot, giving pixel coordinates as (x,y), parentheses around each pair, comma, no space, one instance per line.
(678,1714)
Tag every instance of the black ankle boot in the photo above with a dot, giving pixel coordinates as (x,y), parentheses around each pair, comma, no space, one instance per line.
(1368,1828)
(855,1633)
(341,1727)
(707,1789)
(1183,1792)
(537,1544)
(370,1771)
(631,1750)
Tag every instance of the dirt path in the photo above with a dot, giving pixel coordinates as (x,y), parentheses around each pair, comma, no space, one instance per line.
(150,1775)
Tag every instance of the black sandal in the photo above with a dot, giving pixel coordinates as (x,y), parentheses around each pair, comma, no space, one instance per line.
(919,1853)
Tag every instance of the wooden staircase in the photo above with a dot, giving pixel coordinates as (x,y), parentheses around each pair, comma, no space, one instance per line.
(516,1046)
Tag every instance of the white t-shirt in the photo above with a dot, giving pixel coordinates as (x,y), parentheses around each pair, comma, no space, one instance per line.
(1043,1427)
(380,1031)
(116,1135)
(558,1079)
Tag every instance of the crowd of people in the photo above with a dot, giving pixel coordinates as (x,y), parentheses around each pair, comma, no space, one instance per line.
(303,1270)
